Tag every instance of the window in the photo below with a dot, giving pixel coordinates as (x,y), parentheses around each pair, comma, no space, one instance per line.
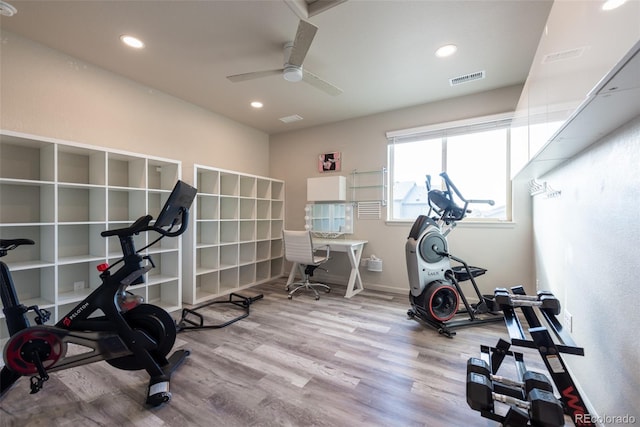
(475,155)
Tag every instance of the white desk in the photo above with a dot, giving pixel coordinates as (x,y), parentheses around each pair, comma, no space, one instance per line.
(353,249)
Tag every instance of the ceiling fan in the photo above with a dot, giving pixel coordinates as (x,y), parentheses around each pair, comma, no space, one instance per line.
(294,54)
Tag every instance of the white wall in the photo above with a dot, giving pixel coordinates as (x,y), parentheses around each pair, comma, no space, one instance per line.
(44,92)
(587,252)
(504,250)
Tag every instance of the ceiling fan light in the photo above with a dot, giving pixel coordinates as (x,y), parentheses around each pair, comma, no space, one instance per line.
(292,73)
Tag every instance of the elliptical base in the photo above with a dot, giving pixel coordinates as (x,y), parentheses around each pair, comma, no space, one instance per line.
(447,328)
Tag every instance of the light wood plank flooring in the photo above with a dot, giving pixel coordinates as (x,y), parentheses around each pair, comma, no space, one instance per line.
(301,362)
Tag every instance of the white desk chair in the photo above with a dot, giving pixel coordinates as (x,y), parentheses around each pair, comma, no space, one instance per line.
(298,248)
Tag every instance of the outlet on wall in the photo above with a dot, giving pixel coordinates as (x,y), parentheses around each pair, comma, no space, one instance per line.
(568,321)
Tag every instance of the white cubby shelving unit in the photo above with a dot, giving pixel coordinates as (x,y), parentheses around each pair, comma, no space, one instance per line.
(236,238)
(63,195)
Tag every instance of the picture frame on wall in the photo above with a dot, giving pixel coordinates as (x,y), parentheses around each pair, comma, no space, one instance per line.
(329,162)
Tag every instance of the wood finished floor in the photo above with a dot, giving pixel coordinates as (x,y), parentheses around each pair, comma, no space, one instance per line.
(333,362)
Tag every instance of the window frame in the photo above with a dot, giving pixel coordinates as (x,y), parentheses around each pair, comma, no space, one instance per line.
(444,130)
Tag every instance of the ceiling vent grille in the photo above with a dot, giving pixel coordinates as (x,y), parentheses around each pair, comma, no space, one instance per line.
(466,78)
(565,54)
(290,119)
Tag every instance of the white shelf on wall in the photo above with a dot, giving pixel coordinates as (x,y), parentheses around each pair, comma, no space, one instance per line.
(62,195)
(614,101)
(236,237)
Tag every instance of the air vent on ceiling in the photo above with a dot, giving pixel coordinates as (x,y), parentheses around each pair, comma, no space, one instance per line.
(290,119)
(565,54)
(466,78)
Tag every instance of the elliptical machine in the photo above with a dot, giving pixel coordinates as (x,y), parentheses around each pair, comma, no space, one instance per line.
(435,292)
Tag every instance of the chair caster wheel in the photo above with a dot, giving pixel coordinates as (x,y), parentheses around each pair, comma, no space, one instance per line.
(328,290)
(290,296)
(317,298)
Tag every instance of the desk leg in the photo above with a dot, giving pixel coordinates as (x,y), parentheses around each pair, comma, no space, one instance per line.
(354,285)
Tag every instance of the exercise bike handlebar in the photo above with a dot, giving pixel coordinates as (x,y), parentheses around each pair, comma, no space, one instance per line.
(142,225)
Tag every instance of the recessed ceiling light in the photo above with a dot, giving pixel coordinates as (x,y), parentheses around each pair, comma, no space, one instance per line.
(613,4)
(256,104)
(446,50)
(6,9)
(132,41)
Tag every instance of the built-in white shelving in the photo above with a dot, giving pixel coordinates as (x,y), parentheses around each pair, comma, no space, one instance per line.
(63,195)
(236,238)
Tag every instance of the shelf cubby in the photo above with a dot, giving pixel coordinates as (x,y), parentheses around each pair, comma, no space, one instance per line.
(248,186)
(207,260)
(81,166)
(229,183)
(80,242)
(207,181)
(276,229)
(126,205)
(36,286)
(26,159)
(263,209)
(228,256)
(263,271)
(229,208)
(77,281)
(126,171)
(263,188)
(247,253)
(165,295)
(229,279)
(161,175)
(40,254)
(26,202)
(228,231)
(277,190)
(276,248)
(246,274)
(263,250)
(207,207)
(207,233)
(81,204)
(277,209)
(263,230)
(247,230)
(207,285)
(247,208)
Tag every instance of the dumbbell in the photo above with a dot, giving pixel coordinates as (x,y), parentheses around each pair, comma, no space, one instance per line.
(544,409)
(530,380)
(544,300)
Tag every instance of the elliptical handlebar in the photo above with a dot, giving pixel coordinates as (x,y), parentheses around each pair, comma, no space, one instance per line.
(446,207)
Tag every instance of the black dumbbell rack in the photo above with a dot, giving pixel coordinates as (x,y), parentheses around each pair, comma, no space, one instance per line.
(551,352)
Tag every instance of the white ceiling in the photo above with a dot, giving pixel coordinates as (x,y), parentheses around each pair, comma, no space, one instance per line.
(380,53)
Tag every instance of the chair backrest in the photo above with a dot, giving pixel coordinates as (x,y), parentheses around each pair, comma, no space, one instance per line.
(298,246)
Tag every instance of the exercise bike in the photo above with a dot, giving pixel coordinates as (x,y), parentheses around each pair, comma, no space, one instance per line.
(111,323)
(435,292)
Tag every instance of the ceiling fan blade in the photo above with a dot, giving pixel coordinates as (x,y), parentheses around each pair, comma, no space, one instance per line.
(301,44)
(255,75)
(318,83)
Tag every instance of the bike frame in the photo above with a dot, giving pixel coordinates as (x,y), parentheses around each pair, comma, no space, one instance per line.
(110,335)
